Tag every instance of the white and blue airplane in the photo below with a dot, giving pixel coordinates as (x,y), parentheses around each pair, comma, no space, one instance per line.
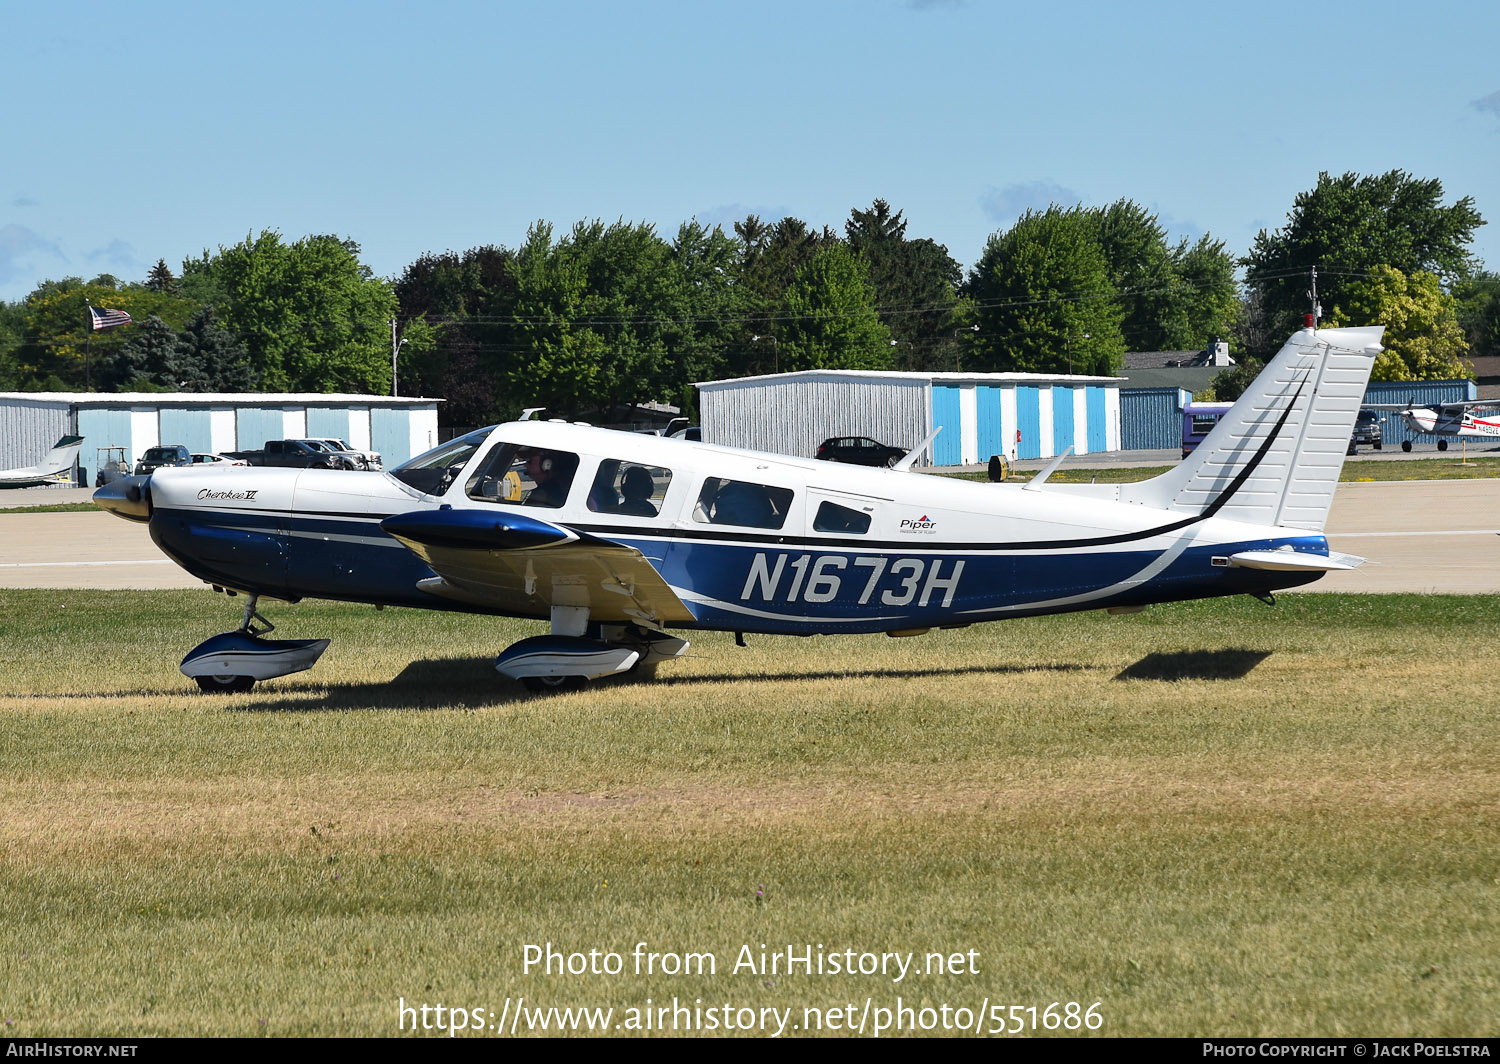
(56,467)
(1447,420)
(618,539)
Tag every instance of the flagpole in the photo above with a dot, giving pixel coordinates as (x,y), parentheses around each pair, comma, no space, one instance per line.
(88,340)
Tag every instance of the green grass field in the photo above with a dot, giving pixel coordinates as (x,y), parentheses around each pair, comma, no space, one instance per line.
(1211,819)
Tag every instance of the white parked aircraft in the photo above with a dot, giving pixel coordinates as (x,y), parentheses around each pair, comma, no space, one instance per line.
(56,468)
(616,537)
(1445,420)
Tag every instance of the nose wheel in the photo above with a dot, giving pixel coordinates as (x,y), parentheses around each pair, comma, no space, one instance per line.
(225,684)
(553,685)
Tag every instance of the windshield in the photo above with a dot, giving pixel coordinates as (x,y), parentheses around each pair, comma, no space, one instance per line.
(432,471)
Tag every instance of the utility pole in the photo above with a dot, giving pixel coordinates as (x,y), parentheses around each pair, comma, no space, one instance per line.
(1317,311)
(395,350)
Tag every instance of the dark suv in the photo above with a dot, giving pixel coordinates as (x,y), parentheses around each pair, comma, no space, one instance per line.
(1366,430)
(173,454)
(859,450)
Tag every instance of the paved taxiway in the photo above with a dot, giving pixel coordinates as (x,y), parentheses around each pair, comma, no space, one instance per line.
(1420,535)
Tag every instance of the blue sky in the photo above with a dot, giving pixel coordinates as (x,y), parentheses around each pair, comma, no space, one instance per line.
(159,129)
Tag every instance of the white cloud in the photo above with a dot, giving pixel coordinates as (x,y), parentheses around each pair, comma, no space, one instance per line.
(20,249)
(118,258)
(1005,205)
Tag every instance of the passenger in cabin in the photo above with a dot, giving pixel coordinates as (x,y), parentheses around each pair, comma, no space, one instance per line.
(637,487)
(738,503)
(553,474)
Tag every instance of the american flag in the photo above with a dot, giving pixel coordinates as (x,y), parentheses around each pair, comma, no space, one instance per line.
(108,319)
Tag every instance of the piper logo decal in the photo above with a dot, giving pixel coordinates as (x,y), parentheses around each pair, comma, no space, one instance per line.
(923,525)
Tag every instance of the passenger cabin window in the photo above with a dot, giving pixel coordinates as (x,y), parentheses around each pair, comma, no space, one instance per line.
(736,502)
(832,517)
(525,476)
(628,489)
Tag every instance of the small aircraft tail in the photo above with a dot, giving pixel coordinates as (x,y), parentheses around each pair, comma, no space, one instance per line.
(57,465)
(1275,456)
(62,455)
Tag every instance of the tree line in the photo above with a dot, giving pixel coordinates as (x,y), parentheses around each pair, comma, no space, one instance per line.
(610,314)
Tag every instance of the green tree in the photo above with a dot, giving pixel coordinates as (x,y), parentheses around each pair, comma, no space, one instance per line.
(58,340)
(160,278)
(457,318)
(1479,313)
(915,286)
(1211,305)
(1174,297)
(206,357)
(1346,227)
(140,364)
(1423,340)
(1043,299)
(771,257)
(829,318)
(310,314)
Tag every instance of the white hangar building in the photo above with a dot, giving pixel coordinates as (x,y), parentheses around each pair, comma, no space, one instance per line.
(31,422)
(1019,415)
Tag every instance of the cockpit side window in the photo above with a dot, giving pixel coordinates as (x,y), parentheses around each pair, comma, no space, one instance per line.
(628,489)
(738,502)
(528,476)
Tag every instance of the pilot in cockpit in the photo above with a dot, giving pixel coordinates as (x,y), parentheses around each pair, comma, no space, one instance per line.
(552,473)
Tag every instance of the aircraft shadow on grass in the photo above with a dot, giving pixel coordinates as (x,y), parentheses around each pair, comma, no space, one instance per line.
(1195,665)
(445,682)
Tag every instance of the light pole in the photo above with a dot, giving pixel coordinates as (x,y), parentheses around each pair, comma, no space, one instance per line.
(1069,347)
(775,351)
(396,346)
(958,350)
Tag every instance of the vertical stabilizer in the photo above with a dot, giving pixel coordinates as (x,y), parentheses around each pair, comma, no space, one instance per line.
(1275,456)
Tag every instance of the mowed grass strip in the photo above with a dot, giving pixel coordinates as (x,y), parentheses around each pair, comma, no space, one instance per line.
(1212,818)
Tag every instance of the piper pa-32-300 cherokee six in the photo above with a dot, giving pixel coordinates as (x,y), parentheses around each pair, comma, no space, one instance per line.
(617,537)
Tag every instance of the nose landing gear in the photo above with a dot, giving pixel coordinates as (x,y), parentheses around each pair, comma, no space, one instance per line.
(231,662)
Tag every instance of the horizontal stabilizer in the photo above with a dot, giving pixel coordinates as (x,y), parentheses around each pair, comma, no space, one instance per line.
(1287,560)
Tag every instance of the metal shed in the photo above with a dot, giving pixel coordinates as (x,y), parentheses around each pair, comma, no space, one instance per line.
(1019,415)
(1151,418)
(31,422)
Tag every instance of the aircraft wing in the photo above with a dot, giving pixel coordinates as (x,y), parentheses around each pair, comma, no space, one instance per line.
(517,564)
(1456,405)
(1461,405)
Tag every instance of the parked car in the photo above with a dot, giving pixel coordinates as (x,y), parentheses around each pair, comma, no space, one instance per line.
(205,458)
(362,459)
(1366,430)
(296,454)
(690,432)
(859,450)
(172,454)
